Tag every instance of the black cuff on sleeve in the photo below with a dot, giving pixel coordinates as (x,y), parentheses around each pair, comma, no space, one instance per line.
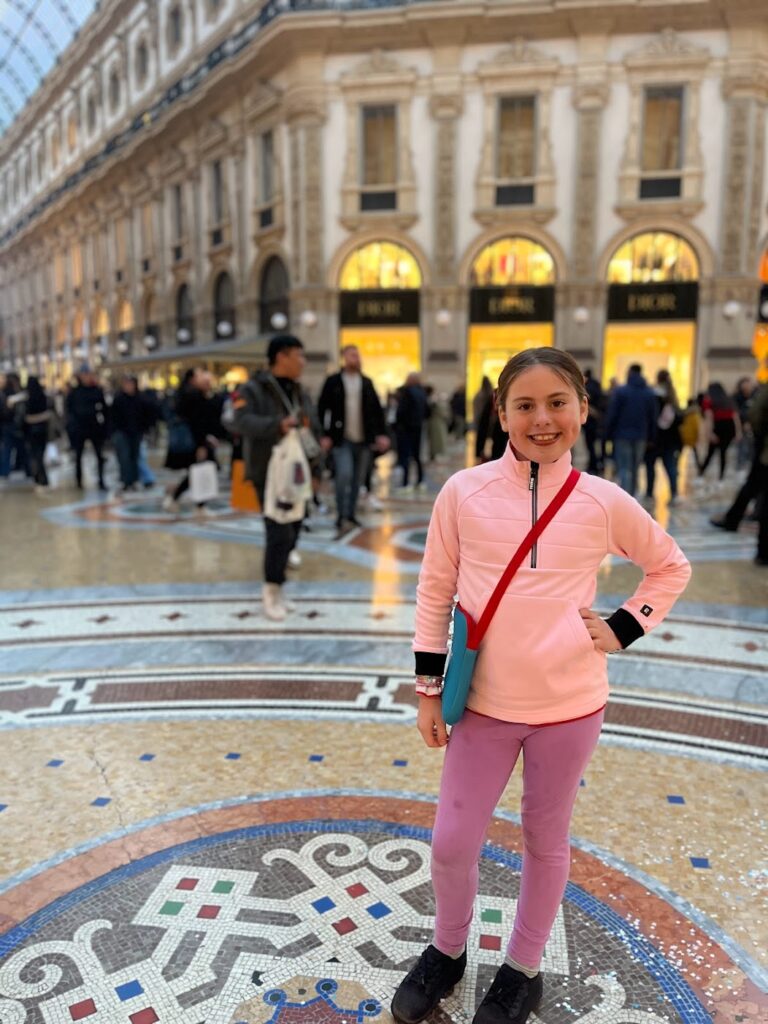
(430,664)
(625,626)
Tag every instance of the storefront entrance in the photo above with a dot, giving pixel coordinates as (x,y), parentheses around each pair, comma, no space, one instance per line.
(379,312)
(652,310)
(511,306)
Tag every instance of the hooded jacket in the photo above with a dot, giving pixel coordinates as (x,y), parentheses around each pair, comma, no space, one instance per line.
(537,663)
(632,411)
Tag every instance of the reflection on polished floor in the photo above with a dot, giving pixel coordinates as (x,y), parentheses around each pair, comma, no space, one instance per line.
(209,817)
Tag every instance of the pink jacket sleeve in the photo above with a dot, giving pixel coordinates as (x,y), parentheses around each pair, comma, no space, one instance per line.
(439,573)
(635,535)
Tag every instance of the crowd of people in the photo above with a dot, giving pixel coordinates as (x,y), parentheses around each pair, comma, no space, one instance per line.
(629,427)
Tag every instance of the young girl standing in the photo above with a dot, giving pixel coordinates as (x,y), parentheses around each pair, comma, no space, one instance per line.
(540,682)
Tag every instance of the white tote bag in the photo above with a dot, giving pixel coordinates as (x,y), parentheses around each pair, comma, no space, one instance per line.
(203,481)
(289,485)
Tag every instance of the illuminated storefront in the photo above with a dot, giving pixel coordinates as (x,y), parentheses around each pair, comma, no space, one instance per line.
(379,308)
(653,296)
(760,342)
(511,306)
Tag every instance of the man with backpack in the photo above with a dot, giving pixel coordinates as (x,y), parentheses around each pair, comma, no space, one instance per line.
(266,409)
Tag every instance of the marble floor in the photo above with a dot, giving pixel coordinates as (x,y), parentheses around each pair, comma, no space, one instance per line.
(210,818)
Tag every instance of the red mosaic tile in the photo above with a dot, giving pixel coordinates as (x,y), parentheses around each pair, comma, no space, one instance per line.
(84,1009)
(188,883)
(147,1016)
(358,889)
(208,911)
(490,942)
(345,926)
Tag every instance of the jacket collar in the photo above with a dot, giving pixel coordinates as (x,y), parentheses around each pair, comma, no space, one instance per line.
(551,474)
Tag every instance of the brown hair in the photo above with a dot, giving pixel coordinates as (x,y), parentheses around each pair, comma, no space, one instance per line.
(564,365)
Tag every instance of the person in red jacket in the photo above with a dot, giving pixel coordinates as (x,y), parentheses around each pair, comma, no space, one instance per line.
(540,682)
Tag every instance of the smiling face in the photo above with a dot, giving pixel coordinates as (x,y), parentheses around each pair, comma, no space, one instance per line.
(542,414)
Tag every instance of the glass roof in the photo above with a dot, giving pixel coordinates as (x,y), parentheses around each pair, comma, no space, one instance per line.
(33,33)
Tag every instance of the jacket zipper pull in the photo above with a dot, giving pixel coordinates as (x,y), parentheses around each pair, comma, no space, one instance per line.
(534,474)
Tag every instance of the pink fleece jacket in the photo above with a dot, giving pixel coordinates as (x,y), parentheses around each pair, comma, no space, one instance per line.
(537,663)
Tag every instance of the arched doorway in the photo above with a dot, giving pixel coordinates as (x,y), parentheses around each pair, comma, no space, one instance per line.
(379,308)
(653,296)
(185,319)
(224,306)
(760,341)
(273,296)
(511,305)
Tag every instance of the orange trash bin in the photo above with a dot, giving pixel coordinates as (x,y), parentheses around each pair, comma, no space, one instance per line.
(243,495)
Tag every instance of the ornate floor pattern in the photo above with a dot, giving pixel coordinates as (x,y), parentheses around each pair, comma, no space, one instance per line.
(206,817)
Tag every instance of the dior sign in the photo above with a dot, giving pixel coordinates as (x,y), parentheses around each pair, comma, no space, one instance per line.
(525,303)
(662,301)
(379,307)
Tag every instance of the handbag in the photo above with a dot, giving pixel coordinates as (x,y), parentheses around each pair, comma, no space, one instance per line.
(468,634)
(181,440)
(203,481)
(288,486)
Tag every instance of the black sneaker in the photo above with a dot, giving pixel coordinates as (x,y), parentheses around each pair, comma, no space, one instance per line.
(433,976)
(722,524)
(511,997)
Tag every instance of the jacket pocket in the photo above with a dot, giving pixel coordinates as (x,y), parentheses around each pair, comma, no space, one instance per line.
(536,650)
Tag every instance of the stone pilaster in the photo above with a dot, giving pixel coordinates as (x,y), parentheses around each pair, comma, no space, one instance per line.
(446,111)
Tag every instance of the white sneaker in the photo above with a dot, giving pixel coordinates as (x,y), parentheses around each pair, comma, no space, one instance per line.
(272,599)
(294,559)
(169,505)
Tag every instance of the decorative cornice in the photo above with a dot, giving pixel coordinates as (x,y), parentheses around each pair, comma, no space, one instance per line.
(666,50)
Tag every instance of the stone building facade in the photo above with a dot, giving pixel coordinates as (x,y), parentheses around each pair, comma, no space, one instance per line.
(196,173)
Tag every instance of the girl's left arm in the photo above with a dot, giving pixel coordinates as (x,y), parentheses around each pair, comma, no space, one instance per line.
(633,534)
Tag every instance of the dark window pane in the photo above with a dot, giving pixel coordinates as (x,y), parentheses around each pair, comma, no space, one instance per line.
(267,167)
(378,201)
(265,218)
(514,195)
(660,188)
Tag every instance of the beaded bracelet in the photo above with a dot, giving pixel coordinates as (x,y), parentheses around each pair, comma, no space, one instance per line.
(429,686)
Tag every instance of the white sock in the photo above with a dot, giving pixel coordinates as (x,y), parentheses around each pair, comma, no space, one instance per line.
(529,972)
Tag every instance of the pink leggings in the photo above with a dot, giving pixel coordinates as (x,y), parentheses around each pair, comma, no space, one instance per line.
(481,755)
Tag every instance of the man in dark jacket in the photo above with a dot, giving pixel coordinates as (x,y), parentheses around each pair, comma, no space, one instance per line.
(352,422)
(86,418)
(631,425)
(270,404)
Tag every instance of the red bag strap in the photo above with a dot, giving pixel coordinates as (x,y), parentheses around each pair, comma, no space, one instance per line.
(519,556)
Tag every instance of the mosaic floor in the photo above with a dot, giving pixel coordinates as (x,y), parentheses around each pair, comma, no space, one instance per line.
(209,818)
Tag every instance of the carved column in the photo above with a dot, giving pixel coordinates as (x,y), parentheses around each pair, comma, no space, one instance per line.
(589,101)
(305,154)
(445,110)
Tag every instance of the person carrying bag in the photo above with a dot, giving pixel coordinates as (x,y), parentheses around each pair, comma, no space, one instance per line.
(520,540)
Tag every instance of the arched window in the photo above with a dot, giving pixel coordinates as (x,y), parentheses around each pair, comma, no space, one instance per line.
(114,91)
(72,133)
(274,290)
(175,28)
(513,260)
(380,265)
(91,112)
(651,257)
(224,306)
(142,62)
(185,321)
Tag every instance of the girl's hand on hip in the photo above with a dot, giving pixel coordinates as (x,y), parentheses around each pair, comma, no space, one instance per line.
(603,637)
(429,722)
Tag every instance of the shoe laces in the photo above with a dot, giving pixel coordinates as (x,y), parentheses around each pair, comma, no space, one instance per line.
(427,967)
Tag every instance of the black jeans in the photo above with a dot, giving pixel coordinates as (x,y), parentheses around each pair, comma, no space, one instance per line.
(79,446)
(35,451)
(280,541)
(755,485)
(127,448)
(726,432)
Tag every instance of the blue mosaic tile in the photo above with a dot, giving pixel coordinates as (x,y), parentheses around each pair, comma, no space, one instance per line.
(675,800)
(129,990)
(379,910)
(316,757)
(3,806)
(700,862)
(101,801)
(232,757)
(147,757)
(399,764)
(323,905)
(54,763)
